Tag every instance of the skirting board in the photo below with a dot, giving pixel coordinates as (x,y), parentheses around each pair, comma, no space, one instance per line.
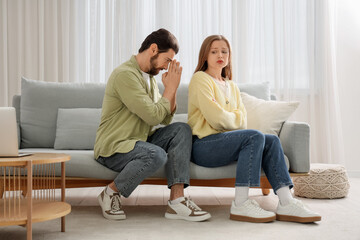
(353,174)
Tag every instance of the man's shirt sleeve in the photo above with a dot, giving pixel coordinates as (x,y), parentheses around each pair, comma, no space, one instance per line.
(130,91)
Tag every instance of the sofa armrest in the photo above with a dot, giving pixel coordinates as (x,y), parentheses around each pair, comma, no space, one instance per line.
(295,140)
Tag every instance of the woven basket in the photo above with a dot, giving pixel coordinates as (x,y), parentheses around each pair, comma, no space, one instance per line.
(325,181)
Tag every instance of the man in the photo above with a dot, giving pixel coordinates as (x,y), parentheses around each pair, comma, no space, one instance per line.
(125,141)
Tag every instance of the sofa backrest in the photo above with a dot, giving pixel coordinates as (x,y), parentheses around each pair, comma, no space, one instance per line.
(259,90)
(37,108)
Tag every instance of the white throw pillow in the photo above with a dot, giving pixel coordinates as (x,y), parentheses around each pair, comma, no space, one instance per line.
(267,116)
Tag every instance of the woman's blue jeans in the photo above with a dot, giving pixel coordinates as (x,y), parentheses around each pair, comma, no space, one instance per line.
(251,149)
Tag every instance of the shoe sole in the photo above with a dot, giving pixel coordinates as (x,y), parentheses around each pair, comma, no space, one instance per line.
(192,218)
(297,219)
(114,217)
(251,219)
(110,217)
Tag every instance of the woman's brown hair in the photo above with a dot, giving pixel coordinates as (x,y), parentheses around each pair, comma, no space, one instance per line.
(204,53)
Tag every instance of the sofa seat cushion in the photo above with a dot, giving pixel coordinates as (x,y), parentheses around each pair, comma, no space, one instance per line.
(83,164)
(199,172)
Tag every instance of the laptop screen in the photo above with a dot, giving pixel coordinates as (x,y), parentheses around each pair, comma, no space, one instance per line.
(8,132)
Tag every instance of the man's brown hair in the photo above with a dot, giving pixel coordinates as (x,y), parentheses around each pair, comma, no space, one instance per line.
(164,39)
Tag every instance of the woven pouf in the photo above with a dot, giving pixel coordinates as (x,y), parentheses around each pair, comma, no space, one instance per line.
(324,181)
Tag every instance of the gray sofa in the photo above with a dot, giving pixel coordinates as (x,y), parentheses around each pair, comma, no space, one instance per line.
(42,128)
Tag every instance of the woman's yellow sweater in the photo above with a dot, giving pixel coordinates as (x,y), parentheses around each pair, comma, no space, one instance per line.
(208,112)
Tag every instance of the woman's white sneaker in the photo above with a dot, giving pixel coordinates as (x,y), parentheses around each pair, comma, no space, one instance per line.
(186,210)
(296,211)
(250,211)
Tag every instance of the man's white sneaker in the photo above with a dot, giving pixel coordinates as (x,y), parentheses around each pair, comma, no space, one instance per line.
(296,211)
(111,206)
(186,210)
(250,211)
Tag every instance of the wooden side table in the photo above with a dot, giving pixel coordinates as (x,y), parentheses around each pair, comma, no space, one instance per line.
(17,177)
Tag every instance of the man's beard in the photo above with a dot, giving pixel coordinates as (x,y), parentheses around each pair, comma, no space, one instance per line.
(153,70)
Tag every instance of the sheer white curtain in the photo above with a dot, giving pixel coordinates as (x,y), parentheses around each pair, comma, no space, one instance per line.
(291,44)
(84,40)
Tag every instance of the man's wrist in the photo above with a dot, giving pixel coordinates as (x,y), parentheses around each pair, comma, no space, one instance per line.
(170,90)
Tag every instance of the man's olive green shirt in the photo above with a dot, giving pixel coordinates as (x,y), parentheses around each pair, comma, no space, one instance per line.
(129,111)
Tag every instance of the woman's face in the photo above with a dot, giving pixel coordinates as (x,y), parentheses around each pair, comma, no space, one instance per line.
(218,57)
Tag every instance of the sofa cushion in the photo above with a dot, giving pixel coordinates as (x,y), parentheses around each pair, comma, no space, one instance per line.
(180,117)
(83,164)
(181,97)
(39,106)
(267,116)
(258,90)
(40,102)
(76,128)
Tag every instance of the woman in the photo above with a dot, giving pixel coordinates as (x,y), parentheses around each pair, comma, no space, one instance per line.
(218,120)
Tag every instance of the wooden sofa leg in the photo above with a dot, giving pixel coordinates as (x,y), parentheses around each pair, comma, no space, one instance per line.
(1,189)
(265,185)
(265,191)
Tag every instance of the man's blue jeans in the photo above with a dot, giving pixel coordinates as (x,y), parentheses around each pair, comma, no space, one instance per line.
(169,146)
(251,149)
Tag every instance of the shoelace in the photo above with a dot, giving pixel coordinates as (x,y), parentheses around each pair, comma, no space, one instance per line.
(302,206)
(116,203)
(258,209)
(190,204)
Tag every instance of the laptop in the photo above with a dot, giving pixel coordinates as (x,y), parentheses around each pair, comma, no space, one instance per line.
(8,134)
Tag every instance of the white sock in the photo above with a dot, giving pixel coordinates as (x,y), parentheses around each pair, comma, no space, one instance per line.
(109,190)
(241,195)
(284,195)
(177,200)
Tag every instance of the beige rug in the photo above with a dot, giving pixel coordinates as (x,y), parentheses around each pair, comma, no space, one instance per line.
(341,220)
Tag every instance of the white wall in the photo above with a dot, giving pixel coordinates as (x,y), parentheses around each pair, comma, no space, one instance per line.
(348,73)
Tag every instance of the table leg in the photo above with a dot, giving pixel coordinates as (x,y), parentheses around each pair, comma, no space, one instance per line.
(63,193)
(29,201)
